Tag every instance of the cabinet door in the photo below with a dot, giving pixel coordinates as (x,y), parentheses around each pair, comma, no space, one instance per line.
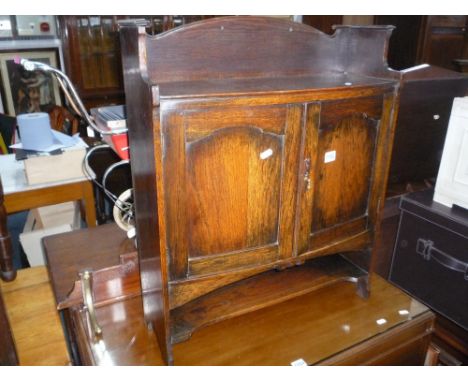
(339,169)
(445,39)
(92,57)
(230,177)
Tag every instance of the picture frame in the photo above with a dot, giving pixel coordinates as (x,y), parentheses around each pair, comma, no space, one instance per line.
(24,91)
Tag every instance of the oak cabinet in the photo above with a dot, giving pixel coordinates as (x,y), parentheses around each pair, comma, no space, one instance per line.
(257,145)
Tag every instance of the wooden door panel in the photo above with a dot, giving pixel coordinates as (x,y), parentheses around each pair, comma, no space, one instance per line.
(240,168)
(339,146)
(343,172)
(202,123)
(234,199)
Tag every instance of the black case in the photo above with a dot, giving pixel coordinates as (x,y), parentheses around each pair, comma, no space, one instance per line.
(430,259)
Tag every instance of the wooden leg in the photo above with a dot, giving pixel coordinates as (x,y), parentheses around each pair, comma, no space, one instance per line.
(8,355)
(362,286)
(432,356)
(7,271)
(88,199)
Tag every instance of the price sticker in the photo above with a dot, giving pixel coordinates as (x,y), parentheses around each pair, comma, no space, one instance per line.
(330,156)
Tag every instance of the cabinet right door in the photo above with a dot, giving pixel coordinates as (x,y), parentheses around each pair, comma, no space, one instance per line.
(343,172)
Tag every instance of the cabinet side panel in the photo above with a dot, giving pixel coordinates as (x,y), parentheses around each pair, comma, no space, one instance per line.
(142,159)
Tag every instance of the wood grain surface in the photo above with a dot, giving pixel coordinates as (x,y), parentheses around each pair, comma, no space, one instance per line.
(219,122)
(34,319)
(327,326)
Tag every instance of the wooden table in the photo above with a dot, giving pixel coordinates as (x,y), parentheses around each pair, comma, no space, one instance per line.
(18,195)
(331,326)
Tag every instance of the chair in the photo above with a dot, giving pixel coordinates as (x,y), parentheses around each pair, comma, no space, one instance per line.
(62,120)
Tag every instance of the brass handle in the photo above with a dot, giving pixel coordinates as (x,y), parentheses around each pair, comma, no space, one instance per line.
(86,278)
(307,173)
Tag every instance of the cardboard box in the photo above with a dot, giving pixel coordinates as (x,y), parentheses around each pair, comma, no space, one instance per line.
(55,168)
(46,221)
(32,246)
(58,214)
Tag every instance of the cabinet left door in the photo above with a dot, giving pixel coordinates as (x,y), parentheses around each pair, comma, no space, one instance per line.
(229,181)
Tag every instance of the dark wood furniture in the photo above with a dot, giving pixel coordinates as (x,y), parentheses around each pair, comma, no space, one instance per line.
(436,40)
(72,252)
(443,40)
(426,99)
(61,119)
(91,50)
(92,57)
(100,248)
(387,236)
(431,263)
(7,270)
(8,356)
(462,65)
(404,42)
(323,23)
(451,340)
(255,160)
(332,326)
(328,326)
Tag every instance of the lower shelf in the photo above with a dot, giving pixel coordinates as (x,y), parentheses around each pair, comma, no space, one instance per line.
(263,290)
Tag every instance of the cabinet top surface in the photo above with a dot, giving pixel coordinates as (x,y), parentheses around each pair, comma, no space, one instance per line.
(231,87)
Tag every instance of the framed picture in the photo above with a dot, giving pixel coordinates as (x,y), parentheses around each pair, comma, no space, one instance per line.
(25,91)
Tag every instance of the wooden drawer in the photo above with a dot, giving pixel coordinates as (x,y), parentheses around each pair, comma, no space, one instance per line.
(451,341)
(404,346)
(431,259)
